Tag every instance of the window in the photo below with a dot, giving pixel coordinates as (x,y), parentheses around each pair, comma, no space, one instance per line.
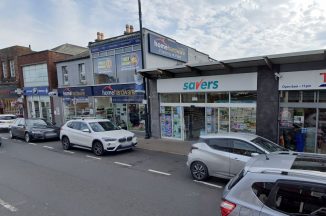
(217,97)
(298,198)
(83,126)
(219,144)
(82,74)
(170,98)
(268,145)
(12,68)
(243,97)
(70,125)
(243,148)
(35,75)
(262,190)
(4,70)
(65,75)
(103,126)
(136,47)
(193,98)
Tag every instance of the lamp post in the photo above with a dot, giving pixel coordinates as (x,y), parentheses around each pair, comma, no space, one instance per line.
(147,130)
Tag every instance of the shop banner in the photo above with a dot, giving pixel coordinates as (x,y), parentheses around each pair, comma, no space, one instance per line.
(302,80)
(106,65)
(168,48)
(75,91)
(129,61)
(139,83)
(230,82)
(40,91)
(116,44)
(8,91)
(115,90)
(124,99)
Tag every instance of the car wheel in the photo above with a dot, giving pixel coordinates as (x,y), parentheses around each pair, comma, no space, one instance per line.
(66,143)
(27,137)
(98,148)
(199,171)
(10,135)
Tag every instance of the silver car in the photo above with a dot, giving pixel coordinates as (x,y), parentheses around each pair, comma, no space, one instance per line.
(224,155)
(278,184)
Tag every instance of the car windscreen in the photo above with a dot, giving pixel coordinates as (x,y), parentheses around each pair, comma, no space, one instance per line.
(267,145)
(37,123)
(7,117)
(103,126)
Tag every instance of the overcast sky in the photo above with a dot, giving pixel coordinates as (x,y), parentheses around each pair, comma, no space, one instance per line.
(224,29)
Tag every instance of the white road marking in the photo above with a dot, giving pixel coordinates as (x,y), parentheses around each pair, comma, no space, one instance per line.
(209,184)
(97,158)
(8,206)
(159,172)
(70,152)
(123,164)
(4,138)
(32,144)
(48,147)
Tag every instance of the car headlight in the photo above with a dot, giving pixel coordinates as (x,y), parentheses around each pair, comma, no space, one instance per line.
(108,139)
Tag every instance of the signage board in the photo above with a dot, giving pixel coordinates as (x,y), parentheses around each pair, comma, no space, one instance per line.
(75,91)
(168,48)
(39,90)
(218,83)
(115,90)
(302,80)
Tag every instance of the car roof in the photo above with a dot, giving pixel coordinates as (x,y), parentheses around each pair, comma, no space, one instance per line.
(296,163)
(245,136)
(7,115)
(91,120)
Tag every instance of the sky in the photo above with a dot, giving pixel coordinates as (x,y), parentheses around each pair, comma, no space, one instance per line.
(224,29)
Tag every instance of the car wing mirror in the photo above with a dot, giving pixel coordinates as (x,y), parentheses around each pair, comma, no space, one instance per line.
(254,154)
(86,130)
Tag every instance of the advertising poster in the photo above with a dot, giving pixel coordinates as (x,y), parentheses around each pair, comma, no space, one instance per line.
(105,66)
(130,61)
(176,122)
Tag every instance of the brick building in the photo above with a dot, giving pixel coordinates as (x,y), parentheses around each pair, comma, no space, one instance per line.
(9,79)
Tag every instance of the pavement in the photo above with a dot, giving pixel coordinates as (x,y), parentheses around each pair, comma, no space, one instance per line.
(163,145)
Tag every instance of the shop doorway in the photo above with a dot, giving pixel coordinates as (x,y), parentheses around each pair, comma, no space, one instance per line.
(194,119)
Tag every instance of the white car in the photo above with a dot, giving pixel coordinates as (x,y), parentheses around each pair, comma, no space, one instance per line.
(98,135)
(6,120)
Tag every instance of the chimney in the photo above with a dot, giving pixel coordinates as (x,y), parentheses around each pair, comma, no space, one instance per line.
(98,38)
(102,36)
(127,29)
(29,46)
(131,28)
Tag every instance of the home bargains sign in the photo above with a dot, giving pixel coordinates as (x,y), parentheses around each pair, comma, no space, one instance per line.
(231,82)
(115,90)
(75,91)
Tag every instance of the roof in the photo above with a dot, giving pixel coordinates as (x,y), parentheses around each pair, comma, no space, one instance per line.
(69,49)
(83,55)
(89,119)
(269,61)
(245,136)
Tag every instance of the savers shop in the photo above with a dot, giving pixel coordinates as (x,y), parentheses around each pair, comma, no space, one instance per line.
(193,106)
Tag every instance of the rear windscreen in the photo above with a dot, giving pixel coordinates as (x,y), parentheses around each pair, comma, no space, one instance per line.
(236,179)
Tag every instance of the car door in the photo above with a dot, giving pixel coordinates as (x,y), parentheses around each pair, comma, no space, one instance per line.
(21,128)
(83,138)
(240,154)
(71,131)
(14,127)
(218,156)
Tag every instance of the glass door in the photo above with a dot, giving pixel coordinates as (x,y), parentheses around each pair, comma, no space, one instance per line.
(194,121)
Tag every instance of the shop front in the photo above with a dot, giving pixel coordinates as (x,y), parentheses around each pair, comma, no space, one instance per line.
(302,120)
(192,106)
(9,102)
(77,102)
(38,102)
(121,104)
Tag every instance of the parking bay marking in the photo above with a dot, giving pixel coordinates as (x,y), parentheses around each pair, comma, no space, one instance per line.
(123,164)
(209,184)
(4,138)
(48,147)
(32,144)
(8,206)
(70,152)
(159,172)
(97,158)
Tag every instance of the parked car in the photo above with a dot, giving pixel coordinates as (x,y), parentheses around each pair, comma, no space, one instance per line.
(6,120)
(278,184)
(224,155)
(33,129)
(98,135)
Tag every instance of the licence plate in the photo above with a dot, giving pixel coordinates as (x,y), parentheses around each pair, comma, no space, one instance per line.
(126,145)
(50,134)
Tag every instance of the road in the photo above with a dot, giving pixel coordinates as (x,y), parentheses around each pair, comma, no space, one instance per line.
(41,179)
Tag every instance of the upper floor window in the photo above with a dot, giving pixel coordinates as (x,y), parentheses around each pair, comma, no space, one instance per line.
(65,75)
(35,75)
(12,69)
(82,73)
(4,70)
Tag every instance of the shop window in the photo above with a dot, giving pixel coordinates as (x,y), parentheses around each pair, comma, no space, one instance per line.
(4,70)
(12,69)
(243,119)
(243,97)
(105,70)
(308,96)
(127,49)
(166,121)
(217,119)
(65,75)
(193,98)
(290,96)
(170,98)
(82,73)
(217,97)
(103,53)
(322,96)
(136,116)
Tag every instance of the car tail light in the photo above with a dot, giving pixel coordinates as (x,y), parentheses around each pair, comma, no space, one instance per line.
(227,207)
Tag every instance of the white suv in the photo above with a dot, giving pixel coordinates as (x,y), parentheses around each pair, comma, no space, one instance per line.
(99,135)
(6,120)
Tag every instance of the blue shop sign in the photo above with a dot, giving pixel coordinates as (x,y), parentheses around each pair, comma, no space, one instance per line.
(113,90)
(168,48)
(40,91)
(115,44)
(75,91)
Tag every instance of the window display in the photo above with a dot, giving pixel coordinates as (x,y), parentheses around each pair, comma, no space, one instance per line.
(243,119)
(77,107)
(170,122)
